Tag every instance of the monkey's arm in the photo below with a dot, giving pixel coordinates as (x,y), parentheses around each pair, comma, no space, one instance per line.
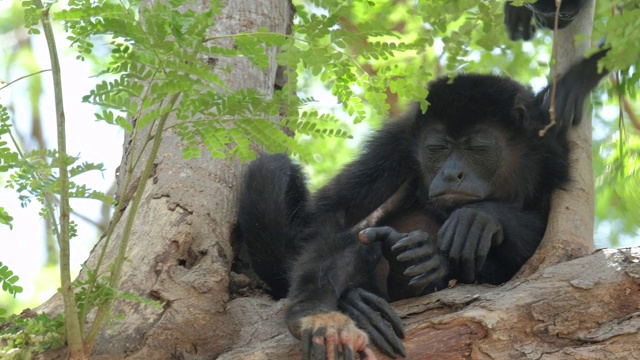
(490,240)
(517,21)
(573,88)
(326,268)
(386,162)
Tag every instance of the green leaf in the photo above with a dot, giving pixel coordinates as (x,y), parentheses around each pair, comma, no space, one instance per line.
(5,218)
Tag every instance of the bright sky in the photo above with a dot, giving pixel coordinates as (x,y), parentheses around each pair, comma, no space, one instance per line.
(22,249)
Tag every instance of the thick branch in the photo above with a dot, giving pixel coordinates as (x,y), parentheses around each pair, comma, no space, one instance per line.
(583,309)
(570,229)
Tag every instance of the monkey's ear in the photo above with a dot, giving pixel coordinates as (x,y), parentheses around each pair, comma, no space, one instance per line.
(519,111)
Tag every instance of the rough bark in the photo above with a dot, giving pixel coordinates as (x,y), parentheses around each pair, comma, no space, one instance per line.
(180,251)
(569,232)
(588,308)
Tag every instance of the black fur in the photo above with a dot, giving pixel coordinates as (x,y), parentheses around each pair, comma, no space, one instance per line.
(517,19)
(273,217)
(478,141)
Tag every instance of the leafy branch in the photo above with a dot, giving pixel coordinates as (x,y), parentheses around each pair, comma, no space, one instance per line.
(23,77)
(72,325)
(9,280)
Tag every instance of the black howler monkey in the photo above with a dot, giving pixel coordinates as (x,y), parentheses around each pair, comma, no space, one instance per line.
(517,19)
(476,183)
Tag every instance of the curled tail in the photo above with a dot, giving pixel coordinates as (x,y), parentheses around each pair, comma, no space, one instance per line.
(273,217)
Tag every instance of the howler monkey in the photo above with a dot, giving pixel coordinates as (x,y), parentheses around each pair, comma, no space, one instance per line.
(472,181)
(517,19)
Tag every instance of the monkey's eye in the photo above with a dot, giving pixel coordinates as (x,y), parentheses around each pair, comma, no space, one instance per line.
(435,142)
(482,141)
(480,148)
(436,147)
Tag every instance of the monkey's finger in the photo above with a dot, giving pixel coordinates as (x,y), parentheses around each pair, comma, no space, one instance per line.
(424,267)
(381,234)
(331,344)
(497,236)
(460,238)
(388,343)
(383,307)
(378,319)
(475,236)
(318,350)
(306,344)
(367,354)
(483,248)
(353,341)
(381,333)
(445,235)
(577,100)
(384,343)
(565,106)
(418,254)
(347,353)
(425,279)
(413,239)
(313,345)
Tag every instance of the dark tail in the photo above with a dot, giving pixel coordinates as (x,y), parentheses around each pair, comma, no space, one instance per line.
(272,217)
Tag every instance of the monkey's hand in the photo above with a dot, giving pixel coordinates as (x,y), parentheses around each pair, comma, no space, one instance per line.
(573,88)
(329,334)
(517,21)
(467,236)
(377,318)
(415,252)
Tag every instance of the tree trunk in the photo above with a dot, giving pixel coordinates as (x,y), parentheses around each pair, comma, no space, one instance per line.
(569,232)
(180,251)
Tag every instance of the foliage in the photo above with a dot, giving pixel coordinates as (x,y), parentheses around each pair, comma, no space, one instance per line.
(357,59)
(618,31)
(9,280)
(616,162)
(93,290)
(147,68)
(617,169)
(25,337)
(47,280)
(36,176)
(7,157)
(389,51)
